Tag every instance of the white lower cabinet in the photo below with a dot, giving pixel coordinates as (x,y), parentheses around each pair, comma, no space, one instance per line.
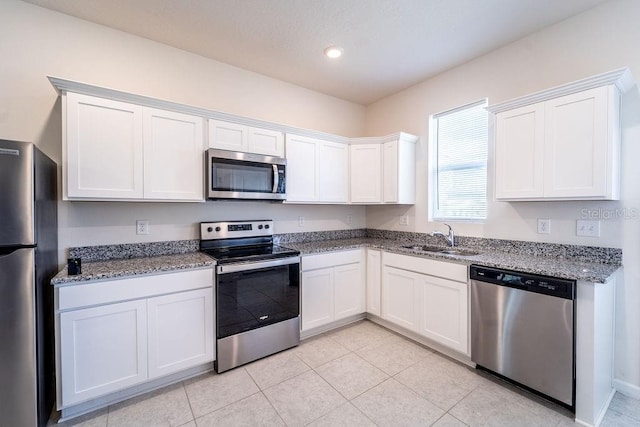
(180,334)
(374,280)
(102,350)
(112,335)
(399,297)
(332,287)
(317,298)
(348,291)
(428,297)
(443,312)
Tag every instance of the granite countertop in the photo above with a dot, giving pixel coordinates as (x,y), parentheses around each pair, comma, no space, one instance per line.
(563,261)
(546,265)
(110,269)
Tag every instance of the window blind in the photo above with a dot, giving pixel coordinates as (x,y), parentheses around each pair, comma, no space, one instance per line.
(460,164)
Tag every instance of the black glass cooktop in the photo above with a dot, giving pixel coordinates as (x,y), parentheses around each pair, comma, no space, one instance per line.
(226,255)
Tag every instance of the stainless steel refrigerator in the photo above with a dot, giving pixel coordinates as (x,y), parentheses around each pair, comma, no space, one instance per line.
(28,261)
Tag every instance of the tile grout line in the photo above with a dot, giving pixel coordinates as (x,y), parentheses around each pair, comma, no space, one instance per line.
(193,415)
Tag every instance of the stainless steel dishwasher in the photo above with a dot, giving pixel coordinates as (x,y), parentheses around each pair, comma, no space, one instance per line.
(522,328)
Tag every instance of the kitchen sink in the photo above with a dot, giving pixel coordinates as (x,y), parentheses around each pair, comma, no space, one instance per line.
(460,252)
(441,250)
(425,248)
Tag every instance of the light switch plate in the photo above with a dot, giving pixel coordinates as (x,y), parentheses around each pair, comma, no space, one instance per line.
(588,228)
(544,226)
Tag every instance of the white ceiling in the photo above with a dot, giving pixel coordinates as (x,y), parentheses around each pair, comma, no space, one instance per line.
(389,45)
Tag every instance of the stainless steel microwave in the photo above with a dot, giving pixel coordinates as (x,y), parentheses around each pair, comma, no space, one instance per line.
(245,176)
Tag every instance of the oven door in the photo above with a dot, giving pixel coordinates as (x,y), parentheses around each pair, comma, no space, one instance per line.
(235,175)
(255,294)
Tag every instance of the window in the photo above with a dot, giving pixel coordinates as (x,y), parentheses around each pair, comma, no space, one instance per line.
(458,160)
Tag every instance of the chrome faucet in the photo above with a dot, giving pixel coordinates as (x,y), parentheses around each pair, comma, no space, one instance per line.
(449,238)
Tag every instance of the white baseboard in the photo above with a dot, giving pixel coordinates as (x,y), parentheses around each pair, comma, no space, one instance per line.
(627,389)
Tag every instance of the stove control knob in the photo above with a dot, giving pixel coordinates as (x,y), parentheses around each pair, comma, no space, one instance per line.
(260,227)
(266,226)
(209,230)
(218,229)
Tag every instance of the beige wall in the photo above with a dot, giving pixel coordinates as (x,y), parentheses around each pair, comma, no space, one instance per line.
(35,42)
(599,40)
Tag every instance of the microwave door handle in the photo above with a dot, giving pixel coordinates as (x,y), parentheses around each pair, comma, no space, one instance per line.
(276,179)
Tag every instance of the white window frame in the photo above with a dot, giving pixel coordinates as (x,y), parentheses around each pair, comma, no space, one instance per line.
(434,211)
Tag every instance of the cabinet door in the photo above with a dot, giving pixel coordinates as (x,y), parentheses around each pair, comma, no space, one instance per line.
(519,153)
(317,298)
(102,153)
(348,291)
(302,173)
(399,297)
(373,281)
(173,156)
(180,331)
(267,142)
(228,136)
(577,145)
(390,172)
(102,350)
(333,166)
(365,173)
(443,312)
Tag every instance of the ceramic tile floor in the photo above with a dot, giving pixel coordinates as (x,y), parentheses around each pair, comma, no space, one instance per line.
(359,375)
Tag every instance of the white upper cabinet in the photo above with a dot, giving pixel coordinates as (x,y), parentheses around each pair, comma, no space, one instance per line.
(118,150)
(302,169)
(333,167)
(383,171)
(239,137)
(520,137)
(316,170)
(102,148)
(564,146)
(228,136)
(366,173)
(581,145)
(173,152)
(399,171)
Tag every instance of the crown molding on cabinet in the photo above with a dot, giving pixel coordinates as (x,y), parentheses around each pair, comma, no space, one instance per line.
(63,86)
(621,78)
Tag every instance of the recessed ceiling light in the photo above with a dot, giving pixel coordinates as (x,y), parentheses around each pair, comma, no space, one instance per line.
(333,52)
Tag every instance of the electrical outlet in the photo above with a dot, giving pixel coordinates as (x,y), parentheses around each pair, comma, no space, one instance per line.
(349,219)
(404,220)
(544,226)
(587,228)
(142,226)
(300,221)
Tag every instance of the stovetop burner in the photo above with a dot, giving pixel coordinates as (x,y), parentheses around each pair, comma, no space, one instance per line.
(241,241)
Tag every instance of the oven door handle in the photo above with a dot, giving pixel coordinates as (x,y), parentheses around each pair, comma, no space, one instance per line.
(248,266)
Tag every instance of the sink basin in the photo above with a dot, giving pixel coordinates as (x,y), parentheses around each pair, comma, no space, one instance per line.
(441,250)
(425,248)
(460,252)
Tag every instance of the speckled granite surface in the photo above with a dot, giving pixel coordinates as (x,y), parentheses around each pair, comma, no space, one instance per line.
(584,266)
(134,250)
(587,263)
(111,269)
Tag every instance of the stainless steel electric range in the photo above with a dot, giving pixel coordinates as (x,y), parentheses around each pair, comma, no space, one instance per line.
(257,291)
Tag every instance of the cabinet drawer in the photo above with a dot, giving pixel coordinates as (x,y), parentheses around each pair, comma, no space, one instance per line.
(447,270)
(109,291)
(331,259)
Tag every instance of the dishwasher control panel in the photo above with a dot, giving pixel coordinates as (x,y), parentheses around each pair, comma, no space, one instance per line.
(553,286)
